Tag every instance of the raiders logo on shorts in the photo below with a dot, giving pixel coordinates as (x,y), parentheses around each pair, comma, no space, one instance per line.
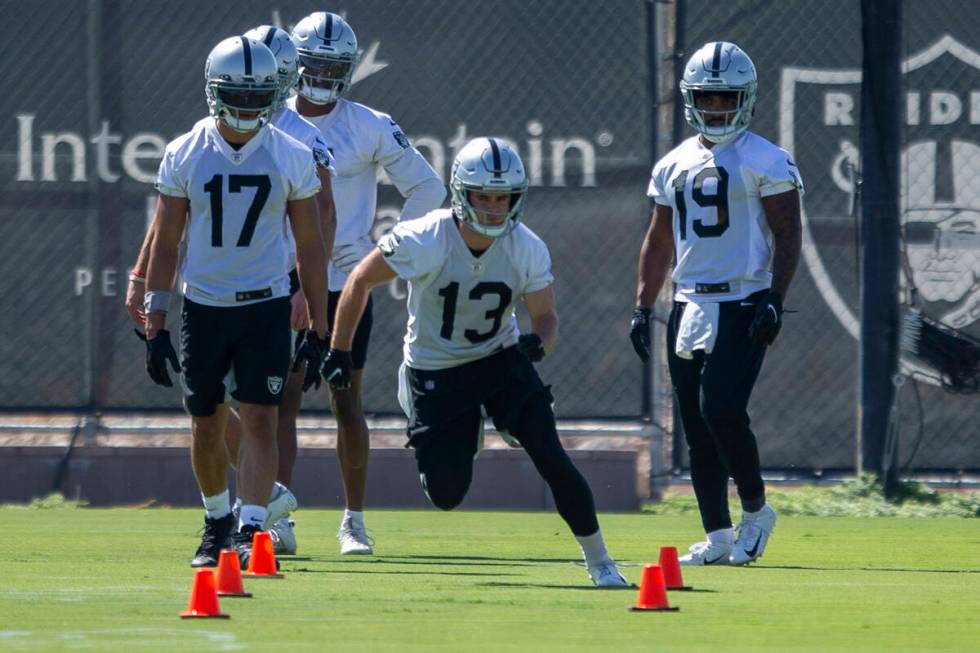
(275,384)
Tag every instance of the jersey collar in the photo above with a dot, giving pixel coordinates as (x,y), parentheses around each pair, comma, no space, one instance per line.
(240,155)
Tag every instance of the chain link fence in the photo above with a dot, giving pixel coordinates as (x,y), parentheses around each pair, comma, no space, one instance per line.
(86,123)
(570,83)
(808,55)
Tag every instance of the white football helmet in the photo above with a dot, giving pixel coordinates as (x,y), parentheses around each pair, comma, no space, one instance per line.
(241,85)
(287,58)
(488,165)
(327,56)
(719,67)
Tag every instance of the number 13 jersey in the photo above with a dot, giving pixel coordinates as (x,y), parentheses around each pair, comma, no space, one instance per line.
(461,306)
(721,236)
(235,234)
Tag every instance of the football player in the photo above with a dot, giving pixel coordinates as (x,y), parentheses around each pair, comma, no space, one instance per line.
(466,268)
(282,500)
(363,142)
(230,183)
(727,211)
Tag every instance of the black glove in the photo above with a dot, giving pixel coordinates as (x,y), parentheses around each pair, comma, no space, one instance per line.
(531,347)
(640,332)
(310,350)
(768,319)
(158,352)
(336,369)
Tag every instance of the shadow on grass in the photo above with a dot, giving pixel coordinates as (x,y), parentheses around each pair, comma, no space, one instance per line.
(548,586)
(306,570)
(899,569)
(435,561)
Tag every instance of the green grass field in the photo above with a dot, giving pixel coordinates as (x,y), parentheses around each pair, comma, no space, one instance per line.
(114,580)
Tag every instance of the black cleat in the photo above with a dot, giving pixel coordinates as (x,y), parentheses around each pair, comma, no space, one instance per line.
(242,543)
(217,536)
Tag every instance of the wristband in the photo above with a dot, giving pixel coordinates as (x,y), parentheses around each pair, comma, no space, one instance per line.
(156,301)
(137,278)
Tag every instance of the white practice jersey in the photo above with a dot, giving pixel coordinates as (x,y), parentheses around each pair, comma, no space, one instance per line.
(306,133)
(721,236)
(362,141)
(235,234)
(460,306)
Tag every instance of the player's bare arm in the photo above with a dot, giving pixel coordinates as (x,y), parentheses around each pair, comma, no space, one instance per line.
(656,254)
(164,238)
(327,211)
(372,271)
(136,287)
(311,262)
(783,216)
(540,306)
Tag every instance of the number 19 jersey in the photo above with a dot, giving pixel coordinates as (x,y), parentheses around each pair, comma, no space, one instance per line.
(461,306)
(237,249)
(722,242)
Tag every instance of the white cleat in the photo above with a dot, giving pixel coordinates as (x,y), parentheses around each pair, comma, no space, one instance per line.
(283,537)
(354,539)
(606,574)
(706,553)
(281,503)
(753,534)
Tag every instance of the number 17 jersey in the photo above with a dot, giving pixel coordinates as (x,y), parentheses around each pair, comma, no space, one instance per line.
(237,249)
(461,306)
(722,241)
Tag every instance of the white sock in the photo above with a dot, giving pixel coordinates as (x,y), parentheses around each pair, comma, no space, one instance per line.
(356,517)
(217,506)
(252,515)
(593,548)
(238,506)
(753,515)
(722,536)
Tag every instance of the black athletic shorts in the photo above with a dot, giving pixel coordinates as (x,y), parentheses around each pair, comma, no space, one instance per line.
(446,404)
(253,340)
(362,336)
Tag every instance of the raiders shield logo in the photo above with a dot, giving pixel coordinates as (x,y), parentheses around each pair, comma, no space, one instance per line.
(818,124)
(401,139)
(274,383)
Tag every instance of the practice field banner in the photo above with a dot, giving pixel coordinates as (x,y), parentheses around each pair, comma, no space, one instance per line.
(84,125)
(808,55)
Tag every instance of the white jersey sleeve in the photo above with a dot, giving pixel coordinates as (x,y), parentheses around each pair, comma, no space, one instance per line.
(172,177)
(779,175)
(655,189)
(407,249)
(408,170)
(537,262)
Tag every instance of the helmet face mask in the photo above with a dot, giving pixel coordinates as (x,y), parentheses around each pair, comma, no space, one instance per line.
(485,171)
(287,58)
(719,69)
(241,83)
(328,56)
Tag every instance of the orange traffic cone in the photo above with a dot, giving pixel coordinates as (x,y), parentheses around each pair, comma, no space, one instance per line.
(671,568)
(262,562)
(653,594)
(204,599)
(230,574)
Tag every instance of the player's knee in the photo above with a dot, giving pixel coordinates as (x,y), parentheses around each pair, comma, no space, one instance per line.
(720,412)
(444,494)
(203,404)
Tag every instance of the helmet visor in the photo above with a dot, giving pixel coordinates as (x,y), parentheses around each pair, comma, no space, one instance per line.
(324,69)
(247,99)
